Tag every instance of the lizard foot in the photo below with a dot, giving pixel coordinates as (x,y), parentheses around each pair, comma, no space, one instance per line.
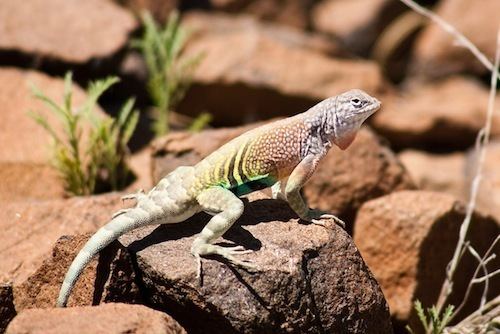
(317,216)
(227,253)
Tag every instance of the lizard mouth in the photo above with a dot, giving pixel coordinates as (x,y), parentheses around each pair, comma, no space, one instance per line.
(371,108)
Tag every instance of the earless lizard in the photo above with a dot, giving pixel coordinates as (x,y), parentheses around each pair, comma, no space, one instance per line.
(288,149)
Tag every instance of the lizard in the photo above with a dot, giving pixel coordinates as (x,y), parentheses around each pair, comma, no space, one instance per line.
(282,155)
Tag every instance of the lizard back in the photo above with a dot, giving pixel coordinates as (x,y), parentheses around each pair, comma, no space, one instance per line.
(256,159)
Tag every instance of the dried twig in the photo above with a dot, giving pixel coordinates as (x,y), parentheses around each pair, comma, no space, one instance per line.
(483,140)
(481,321)
(483,262)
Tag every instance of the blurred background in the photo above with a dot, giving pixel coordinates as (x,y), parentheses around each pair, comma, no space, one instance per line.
(192,73)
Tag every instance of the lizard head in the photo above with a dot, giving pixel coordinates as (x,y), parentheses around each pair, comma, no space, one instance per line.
(352,108)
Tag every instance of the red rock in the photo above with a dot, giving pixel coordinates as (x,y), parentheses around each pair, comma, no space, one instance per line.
(407,238)
(488,199)
(7,309)
(23,180)
(26,147)
(436,52)
(64,31)
(310,278)
(437,172)
(289,12)
(160,9)
(446,113)
(110,277)
(258,71)
(32,228)
(356,23)
(346,179)
(140,164)
(108,318)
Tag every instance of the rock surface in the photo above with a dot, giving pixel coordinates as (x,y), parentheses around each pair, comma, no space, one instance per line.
(310,279)
(25,153)
(159,9)
(346,179)
(257,71)
(74,32)
(289,12)
(356,23)
(108,278)
(342,182)
(488,199)
(107,318)
(32,228)
(437,172)
(29,180)
(407,238)
(7,309)
(447,113)
(436,52)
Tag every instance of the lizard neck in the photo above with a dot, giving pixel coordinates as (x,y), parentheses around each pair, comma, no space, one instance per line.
(321,133)
(328,127)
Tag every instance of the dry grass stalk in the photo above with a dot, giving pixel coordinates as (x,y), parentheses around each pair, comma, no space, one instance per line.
(483,138)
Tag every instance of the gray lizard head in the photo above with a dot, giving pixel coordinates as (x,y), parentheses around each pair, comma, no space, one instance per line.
(350,110)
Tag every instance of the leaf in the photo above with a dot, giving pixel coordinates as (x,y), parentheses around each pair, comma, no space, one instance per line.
(421,314)
(67,90)
(105,149)
(42,121)
(56,109)
(200,122)
(169,74)
(94,91)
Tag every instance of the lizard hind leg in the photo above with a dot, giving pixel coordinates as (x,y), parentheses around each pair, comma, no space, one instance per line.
(226,208)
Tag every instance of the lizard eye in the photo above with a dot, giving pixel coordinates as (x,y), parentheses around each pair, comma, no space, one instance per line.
(356,103)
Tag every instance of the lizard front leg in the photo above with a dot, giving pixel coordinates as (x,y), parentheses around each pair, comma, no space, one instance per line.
(226,208)
(299,176)
(277,191)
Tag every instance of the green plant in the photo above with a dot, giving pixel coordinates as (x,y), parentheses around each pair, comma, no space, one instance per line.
(100,162)
(432,321)
(200,122)
(170,74)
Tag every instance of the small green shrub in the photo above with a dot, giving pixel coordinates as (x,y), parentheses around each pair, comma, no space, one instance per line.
(170,74)
(432,321)
(99,164)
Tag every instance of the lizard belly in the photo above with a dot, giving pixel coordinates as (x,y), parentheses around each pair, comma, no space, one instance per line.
(253,185)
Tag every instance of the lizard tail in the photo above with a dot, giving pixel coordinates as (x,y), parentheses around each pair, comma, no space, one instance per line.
(145,213)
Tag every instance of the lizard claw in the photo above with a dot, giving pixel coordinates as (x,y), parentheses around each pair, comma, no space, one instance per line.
(228,253)
(318,216)
(133,195)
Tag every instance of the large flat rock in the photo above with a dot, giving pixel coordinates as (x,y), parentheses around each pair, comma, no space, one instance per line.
(407,239)
(445,113)
(310,278)
(356,23)
(488,199)
(31,229)
(445,172)
(269,71)
(108,318)
(109,277)
(74,32)
(436,52)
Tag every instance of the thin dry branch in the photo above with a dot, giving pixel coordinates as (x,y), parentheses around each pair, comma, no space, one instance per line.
(483,140)
(481,321)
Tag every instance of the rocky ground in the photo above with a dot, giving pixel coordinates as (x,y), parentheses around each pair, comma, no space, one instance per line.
(401,187)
